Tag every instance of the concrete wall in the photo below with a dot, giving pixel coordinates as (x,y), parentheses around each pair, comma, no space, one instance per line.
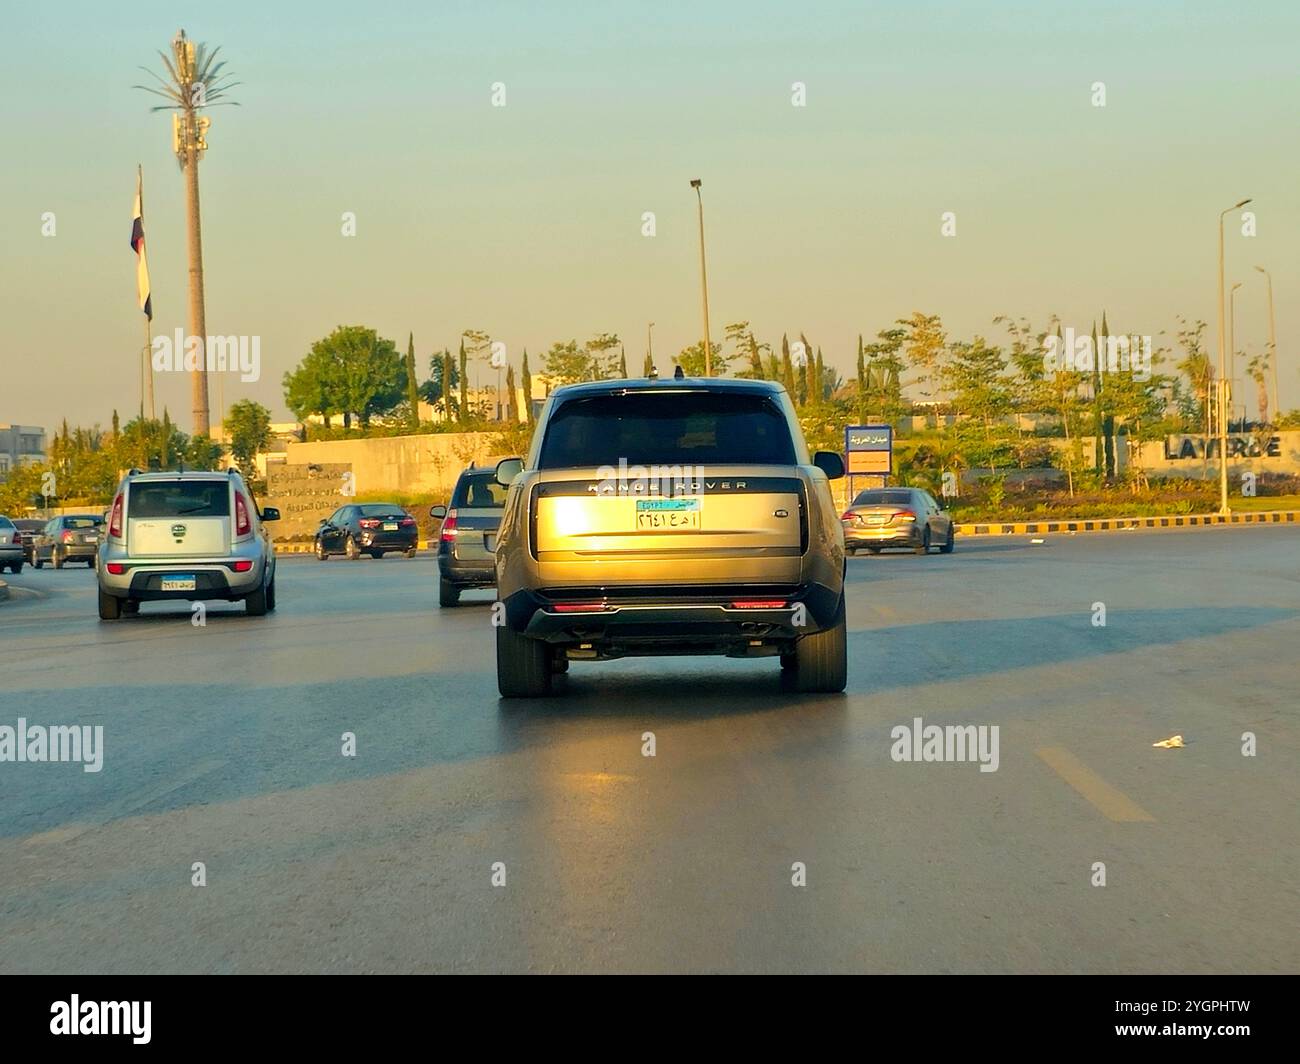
(408,464)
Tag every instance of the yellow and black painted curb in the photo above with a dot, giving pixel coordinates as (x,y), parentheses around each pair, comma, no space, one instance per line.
(1123,524)
(310,548)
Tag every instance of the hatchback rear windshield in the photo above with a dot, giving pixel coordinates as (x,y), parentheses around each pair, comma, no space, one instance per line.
(381,509)
(82,522)
(180,498)
(668,428)
(891,498)
(479,491)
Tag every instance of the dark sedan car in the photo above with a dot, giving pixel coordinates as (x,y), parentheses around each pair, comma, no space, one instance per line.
(374,528)
(897,517)
(467,542)
(70,538)
(30,529)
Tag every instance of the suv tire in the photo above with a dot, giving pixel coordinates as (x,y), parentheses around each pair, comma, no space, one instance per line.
(110,606)
(448,594)
(255,604)
(523,665)
(270,594)
(821,660)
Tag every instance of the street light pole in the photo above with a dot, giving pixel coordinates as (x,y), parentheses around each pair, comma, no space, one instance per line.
(1223,369)
(1272,341)
(1232,345)
(704,284)
(649,342)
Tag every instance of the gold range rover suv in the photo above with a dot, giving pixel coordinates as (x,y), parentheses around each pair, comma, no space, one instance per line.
(664,517)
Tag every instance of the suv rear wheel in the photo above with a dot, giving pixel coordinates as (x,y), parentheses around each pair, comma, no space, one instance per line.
(821,662)
(110,606)
(523,665)
(448,593)
(255,604)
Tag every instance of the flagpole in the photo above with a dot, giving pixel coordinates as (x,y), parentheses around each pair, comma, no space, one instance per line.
(146,367)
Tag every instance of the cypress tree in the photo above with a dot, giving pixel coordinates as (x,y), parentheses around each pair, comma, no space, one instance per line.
(512,400)
(787,368)
(464,394)
(412,385)
(528,388)
(648,365)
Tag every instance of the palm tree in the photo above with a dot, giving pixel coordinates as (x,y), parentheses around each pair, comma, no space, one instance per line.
(194,81)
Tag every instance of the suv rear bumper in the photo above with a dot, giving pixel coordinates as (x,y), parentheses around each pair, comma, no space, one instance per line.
(213,579)
(654,619)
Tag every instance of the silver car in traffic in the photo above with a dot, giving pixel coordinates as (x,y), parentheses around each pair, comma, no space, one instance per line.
(189,536)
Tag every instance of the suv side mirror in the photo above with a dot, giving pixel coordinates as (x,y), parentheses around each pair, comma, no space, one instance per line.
(440,512)
(829,463)
(270,514)
(508,469)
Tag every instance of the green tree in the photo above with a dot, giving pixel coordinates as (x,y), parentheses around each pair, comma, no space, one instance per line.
(787,369)
(925,346)
(567,363)
(527,383)
(600,356)
(412,385)
(512,398)
(691,359)
(249,425)
(463,412)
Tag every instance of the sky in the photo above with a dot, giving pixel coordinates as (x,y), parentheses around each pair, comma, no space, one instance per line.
(525,221)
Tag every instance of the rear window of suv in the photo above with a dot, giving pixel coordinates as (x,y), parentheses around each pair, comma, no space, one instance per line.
(179,498)
(480,491)
(668,428)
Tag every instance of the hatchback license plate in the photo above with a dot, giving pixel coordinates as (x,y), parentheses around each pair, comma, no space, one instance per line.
(178,583)
(668,514)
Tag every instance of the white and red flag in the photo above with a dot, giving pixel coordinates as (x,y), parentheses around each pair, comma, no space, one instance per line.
(137,242)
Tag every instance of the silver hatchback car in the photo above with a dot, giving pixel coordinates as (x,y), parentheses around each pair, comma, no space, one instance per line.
(188,536)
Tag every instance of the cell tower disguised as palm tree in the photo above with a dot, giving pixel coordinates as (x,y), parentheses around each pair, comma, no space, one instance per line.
(194,81)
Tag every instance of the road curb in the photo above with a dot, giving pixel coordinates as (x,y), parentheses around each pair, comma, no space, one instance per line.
(1124,524)
(309,548)
(4,591)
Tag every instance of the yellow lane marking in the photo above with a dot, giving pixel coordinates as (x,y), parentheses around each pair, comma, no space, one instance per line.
(1114,804)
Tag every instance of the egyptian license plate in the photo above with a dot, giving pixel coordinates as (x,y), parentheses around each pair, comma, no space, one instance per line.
(668,514)
(178,583)
(390,526)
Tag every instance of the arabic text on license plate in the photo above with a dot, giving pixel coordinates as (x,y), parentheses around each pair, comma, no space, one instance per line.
(668,514)
(390,526)
(178,583)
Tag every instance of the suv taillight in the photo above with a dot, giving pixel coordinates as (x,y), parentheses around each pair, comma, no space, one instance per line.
(115,521)
(449,527)
(242,525)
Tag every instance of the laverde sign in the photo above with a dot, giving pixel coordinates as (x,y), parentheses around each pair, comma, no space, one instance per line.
(1240,445)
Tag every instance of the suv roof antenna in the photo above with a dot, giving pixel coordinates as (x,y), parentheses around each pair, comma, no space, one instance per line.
(678,374)
(654,373)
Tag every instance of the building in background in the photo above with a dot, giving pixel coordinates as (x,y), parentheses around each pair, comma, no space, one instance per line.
(20,445)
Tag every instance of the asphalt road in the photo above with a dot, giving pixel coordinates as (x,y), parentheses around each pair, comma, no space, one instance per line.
(222,745)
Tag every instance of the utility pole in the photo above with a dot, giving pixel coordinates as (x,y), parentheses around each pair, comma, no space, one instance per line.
(1272,342)
(1223,370)
(704,284)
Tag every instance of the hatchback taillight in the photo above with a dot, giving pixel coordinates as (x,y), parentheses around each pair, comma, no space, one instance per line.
(115,521)
(449,527)
(242,524)
(68,537)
